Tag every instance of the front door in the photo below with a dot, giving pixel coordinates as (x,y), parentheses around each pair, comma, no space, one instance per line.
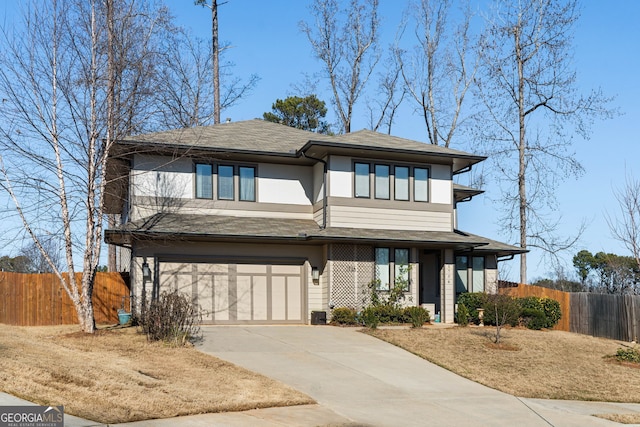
(430,280)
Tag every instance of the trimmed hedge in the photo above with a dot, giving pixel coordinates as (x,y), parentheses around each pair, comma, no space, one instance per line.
(344,316)
(532,312)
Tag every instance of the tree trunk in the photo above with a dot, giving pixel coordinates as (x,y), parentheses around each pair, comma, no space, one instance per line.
(216,61)
(522,191)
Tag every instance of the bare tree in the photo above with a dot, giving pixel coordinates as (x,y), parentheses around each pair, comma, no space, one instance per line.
(439,70)
(626,227)
(215,54)
(345,40)
(36,261)
(533,110)
(235,88)
(185,94)
(382,111)
(72,85)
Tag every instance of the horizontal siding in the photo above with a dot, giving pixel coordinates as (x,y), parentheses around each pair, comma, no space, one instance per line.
(142,211)
(389,219)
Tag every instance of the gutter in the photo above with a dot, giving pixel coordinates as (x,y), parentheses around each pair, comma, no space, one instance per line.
(324,188)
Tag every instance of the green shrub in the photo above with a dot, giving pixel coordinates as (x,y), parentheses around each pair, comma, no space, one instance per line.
(533,319)
(344,316)
(473,301)
(417,316)
(462,315)
(388,313)
(501,310)
(628,355)
(549,308)
(552,311)
(172,318)
(369,317)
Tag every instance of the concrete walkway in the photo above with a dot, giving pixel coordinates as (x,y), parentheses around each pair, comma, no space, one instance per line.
(358,380)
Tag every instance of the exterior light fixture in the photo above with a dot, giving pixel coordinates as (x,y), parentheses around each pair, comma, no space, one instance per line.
(315,274)
(146,271)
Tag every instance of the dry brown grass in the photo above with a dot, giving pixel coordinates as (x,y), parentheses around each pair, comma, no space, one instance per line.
(621,418)
(548,364)
(117,376)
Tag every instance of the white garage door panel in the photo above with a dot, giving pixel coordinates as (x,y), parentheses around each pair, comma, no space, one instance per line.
(239,293)
(278,298)
(293,298)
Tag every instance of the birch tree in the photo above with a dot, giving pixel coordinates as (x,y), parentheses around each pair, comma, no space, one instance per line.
(70,88)
(346,42)
(533,112)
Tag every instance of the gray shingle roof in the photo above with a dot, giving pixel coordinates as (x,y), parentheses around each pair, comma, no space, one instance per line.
(210,227)
(249,136)
(258,136)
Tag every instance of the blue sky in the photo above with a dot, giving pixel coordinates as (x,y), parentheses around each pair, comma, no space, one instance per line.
(266,41)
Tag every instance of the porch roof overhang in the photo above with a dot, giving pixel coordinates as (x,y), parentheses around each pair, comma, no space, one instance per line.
(201,228)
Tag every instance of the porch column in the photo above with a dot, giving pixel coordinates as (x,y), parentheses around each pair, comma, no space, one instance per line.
(447,288)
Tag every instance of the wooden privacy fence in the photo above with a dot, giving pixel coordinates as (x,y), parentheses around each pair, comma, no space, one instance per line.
(564,298)
(600,315)
(39,300)
(608,316)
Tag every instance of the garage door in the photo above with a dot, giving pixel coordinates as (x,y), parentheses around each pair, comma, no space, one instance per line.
(240,293)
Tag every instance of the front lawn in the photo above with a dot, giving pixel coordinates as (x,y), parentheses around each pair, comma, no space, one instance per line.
(116,376)
(536,364)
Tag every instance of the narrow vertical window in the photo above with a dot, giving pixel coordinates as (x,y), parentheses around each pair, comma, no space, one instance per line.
(421,184)
(401,263)
(204,181)
(225,182)
(382,269)
(382,181)
(401,188)
(462,276)
(477,275)
(247,183)
(362,180)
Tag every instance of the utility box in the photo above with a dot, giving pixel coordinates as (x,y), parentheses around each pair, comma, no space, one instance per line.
(318,317)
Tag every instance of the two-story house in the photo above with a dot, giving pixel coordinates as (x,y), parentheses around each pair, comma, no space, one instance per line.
(263,223)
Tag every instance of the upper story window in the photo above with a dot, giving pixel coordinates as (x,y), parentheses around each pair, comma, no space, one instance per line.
(362,187)
(204,181)
(401,179)
(421,184)
(382,181)
(247,183)
(398,182)
(225,182)
(232,182)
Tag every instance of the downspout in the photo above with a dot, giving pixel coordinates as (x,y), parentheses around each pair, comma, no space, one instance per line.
(324,189)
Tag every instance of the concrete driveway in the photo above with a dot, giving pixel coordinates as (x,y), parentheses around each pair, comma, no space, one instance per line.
(368,382)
